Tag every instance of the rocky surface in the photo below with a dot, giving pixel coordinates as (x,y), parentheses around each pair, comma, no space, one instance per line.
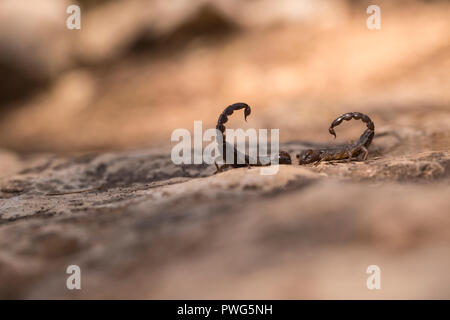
(141,227)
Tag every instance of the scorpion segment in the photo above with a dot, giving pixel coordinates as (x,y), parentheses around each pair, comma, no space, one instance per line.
(352,115)
(284,158)
(308,156)
(223,118)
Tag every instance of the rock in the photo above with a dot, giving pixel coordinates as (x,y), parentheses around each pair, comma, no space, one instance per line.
(136,223)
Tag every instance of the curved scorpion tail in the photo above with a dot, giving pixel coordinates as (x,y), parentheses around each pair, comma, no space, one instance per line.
(367,136)
(223,118)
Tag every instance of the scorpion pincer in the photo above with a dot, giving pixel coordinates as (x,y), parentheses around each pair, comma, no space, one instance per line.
(350,151)
(283,156)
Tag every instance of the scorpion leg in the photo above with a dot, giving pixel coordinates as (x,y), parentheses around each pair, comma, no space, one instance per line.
(365,152)
(221,168)
(350,153)
(218,169)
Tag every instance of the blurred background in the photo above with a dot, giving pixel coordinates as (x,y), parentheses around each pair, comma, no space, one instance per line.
(138,69)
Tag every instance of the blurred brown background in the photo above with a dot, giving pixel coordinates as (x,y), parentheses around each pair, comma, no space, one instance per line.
(141,227)
(139,69)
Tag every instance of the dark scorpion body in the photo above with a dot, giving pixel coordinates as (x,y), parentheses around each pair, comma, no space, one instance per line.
(283,157)
(350,151)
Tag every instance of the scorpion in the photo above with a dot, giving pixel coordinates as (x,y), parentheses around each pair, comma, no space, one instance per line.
(283,156)
(350,151)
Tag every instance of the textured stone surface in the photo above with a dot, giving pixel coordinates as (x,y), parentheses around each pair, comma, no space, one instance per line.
(141,227)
